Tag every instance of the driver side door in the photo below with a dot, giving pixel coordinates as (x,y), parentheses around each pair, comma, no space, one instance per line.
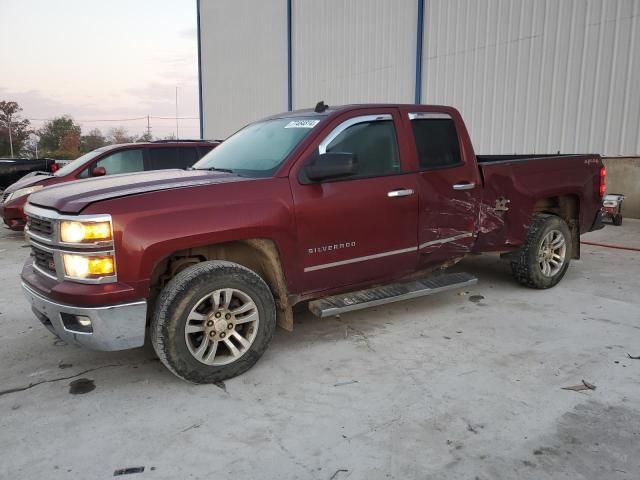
(361,228)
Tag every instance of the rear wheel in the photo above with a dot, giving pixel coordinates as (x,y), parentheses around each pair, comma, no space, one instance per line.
(617,219)
(545,256)
(213,321)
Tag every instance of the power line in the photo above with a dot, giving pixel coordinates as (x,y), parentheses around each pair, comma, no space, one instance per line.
(179,118)
(115,119)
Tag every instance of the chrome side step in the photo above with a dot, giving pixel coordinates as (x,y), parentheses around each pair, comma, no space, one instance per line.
(393,292)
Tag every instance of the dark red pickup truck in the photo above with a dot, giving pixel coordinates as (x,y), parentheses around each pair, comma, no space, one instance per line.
(348,207)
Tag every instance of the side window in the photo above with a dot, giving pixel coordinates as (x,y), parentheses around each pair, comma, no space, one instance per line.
(172,157)
(163,157)
(125,161)
(374,146)
(437,142)
(204,150)
(187,156)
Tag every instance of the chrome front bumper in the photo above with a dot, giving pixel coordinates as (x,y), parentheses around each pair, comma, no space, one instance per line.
(115,327)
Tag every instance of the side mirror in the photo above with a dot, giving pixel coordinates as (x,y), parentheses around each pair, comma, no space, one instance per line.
(331,165)
(98,172)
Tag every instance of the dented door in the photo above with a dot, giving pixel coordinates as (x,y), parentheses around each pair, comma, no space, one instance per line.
(449,187)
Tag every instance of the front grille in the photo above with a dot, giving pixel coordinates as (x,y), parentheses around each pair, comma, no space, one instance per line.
(44,259)
(40,226)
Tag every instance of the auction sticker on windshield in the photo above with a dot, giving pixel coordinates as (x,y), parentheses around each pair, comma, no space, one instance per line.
(302,124)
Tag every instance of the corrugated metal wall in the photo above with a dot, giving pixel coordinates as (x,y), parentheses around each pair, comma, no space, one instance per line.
(538,75)
(243,62)
(529,76)
(353,51)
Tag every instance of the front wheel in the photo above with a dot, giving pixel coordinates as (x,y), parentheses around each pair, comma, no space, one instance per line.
(213,321)
(545,256)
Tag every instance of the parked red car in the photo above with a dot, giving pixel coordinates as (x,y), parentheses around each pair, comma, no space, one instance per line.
(348,207)
(109,160)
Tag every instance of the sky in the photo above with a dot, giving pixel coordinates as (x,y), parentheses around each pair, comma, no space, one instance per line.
(100,60)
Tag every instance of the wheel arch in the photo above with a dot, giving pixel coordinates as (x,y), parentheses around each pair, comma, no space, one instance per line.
(566,207)
(257,254)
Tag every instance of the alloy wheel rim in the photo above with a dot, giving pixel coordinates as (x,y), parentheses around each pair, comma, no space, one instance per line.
(552,253)
(221,327)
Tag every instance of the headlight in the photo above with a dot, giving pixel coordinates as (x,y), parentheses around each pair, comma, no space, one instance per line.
(21,192)
(86,266)
(82,232)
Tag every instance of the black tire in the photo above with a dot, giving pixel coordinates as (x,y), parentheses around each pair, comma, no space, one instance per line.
(183,293)
(617,219)
(525,266)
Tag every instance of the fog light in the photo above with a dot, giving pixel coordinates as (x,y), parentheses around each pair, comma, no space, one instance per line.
(84,321)
(76,323)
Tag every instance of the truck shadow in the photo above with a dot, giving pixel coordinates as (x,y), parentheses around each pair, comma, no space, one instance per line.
(494,275)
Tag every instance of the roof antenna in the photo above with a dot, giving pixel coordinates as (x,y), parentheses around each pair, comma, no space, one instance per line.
(320,107)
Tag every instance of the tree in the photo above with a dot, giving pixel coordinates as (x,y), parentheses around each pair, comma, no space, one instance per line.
(94,139)
(145,137)
(14,131)
(119,135)
(54,132)
(70,145)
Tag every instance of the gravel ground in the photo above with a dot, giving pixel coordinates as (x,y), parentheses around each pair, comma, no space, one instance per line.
(463,385)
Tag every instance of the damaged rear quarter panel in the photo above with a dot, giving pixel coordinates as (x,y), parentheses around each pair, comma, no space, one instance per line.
(512,190)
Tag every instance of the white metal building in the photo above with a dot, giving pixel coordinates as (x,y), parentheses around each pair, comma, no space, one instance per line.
(529,76)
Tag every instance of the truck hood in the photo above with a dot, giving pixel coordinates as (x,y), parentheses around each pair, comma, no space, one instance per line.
(73,197)
(30,179)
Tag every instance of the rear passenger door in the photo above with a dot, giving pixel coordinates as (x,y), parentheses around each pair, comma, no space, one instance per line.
(449,188)
(161,158)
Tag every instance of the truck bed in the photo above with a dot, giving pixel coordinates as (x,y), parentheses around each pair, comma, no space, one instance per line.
(487,159)
(514,186)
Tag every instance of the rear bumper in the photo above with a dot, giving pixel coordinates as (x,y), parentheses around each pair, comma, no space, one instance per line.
(114,327)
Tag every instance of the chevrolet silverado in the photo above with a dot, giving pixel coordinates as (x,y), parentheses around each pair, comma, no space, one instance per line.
(345,207)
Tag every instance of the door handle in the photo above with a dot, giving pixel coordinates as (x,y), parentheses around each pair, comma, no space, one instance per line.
(464,186)
(402,192)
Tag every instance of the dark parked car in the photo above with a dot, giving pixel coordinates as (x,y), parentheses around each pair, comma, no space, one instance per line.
(109,160)
(13,169)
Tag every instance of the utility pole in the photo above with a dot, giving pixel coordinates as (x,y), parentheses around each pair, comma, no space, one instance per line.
(177,133)
(10,139)
(148,127)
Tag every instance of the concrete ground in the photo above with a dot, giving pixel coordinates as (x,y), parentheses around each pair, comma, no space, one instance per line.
(453,386)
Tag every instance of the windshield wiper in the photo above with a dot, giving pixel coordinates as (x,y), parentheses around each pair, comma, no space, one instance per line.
(216,169)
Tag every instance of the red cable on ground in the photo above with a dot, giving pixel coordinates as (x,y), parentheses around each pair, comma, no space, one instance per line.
(619,247)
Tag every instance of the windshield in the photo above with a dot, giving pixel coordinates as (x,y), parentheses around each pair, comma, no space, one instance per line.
(258,149)
(78,162)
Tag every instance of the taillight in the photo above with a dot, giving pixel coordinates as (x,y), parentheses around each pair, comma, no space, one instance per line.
(603,181)
(54,167)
